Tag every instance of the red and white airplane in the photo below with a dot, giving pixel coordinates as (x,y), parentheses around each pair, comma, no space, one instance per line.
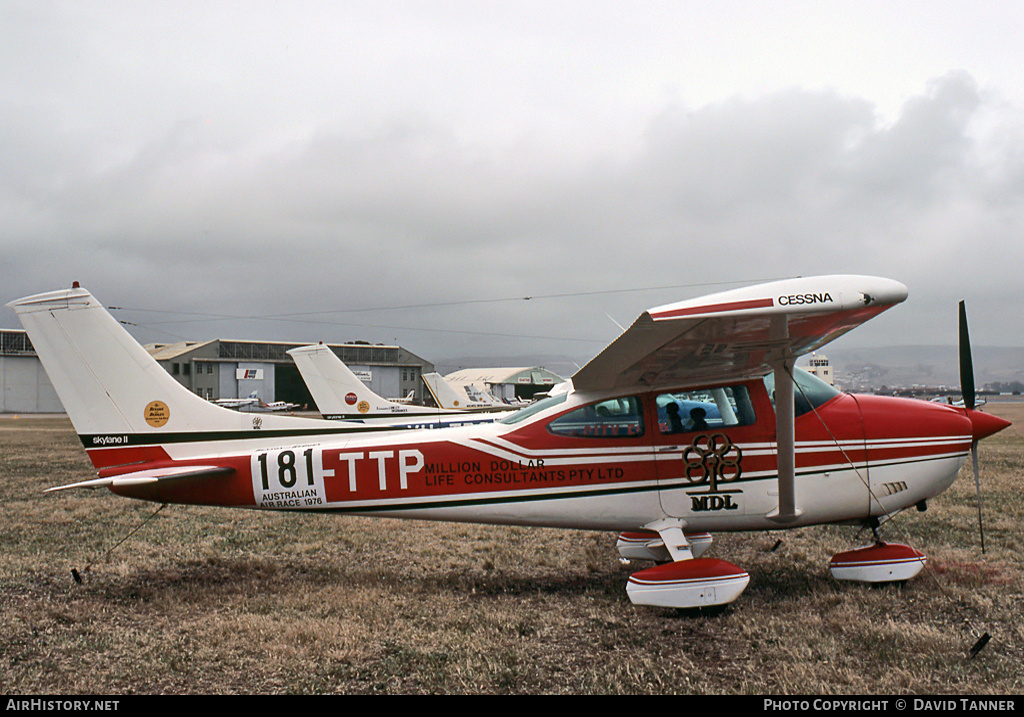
(755,443)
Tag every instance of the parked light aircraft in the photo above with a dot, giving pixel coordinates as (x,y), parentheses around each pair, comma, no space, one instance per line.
(958,402)
(253,404)
(451,398)
(779,450)
(237,403)
(340,395)
(261,406)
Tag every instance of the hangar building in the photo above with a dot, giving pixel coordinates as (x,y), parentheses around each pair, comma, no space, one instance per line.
(218,369)
(25,386)
(222,368)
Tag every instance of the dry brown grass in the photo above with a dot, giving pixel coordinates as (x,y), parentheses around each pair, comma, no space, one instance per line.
(204,600)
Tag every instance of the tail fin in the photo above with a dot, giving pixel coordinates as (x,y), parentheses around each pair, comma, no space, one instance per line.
(338,392)
(481,396)
(445,396)
(110,386)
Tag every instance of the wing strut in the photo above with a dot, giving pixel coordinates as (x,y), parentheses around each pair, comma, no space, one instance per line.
(785,431)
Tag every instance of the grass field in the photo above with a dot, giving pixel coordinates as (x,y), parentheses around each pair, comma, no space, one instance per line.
(204,600)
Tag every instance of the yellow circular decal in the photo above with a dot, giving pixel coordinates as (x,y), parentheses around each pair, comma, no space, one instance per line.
(157,414)
(363,407)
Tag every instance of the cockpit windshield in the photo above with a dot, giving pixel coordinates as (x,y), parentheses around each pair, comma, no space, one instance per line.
(809,392)
(536,407)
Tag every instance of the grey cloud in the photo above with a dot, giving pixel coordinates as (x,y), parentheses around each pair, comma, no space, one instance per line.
(404,212)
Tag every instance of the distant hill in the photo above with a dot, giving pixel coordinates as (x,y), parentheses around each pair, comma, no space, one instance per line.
(929,365)
(870,367)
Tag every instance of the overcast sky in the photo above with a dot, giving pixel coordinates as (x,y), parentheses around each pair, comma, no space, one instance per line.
(409,171)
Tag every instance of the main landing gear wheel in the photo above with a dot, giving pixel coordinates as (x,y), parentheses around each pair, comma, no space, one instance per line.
(878,563)
(684,580)
(696,583)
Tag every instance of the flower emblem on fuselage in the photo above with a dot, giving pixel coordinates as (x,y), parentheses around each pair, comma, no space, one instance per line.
(712,458)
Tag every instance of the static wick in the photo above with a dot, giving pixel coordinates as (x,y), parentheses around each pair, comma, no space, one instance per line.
(980,645)
(776,546)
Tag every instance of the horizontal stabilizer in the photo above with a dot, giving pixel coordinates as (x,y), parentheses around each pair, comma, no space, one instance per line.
(151,475)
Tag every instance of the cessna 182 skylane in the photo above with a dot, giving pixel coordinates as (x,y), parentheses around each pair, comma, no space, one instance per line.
(756,445)
(341,395)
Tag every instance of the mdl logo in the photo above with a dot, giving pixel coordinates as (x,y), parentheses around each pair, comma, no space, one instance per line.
(700,503)
(712,459)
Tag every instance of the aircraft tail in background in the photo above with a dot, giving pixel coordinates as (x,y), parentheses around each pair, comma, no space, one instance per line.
(451,398)
(340,394)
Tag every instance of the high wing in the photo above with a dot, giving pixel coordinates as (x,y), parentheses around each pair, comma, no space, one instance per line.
(739,334)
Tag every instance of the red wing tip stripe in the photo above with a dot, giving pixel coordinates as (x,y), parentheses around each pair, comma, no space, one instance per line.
(638,537)
(715,308)
(690,581)
(871,563)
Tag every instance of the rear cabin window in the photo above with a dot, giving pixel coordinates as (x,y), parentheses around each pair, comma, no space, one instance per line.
(614,418)
(705,409)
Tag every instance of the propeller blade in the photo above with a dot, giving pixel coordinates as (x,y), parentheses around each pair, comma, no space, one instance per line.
(967,389)
(966,363)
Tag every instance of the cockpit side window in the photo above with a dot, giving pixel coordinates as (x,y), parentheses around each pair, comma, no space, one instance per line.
(809,392)
(614,418)
(705,409)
